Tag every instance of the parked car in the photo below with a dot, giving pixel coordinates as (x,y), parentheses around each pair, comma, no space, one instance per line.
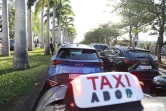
(11,44)
(84,94)
(73,60)
(121,58)
(158,85)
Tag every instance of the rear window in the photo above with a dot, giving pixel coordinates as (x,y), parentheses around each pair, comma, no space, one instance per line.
(100,47)
(78,54)
(139,54)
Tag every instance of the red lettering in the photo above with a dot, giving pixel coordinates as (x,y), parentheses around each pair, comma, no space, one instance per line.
(127,79)
(93,81)
(118,81)
(104,81)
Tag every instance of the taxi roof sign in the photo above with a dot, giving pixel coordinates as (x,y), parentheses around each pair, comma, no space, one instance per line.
(102,89)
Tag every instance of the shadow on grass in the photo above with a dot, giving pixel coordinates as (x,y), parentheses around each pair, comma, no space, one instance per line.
(4,71)
(10,70)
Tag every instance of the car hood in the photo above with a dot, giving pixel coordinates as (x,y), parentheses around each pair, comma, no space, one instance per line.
(54,94)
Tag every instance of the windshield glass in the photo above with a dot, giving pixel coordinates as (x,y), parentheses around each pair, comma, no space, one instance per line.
(100,47)
(139,54)
(78,54)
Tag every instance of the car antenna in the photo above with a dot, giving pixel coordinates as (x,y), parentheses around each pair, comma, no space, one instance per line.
(77,45)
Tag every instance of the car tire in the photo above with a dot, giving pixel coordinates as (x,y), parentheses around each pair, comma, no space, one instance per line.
(112,69)
(154,91)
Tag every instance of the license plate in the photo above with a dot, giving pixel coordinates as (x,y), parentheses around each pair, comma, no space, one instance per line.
(73,76)
(146,67)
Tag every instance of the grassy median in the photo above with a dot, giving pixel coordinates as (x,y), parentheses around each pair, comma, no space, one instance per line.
(16,85)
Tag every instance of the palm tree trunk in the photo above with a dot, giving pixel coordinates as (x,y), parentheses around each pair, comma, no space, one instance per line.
(29,30)
(42,31)
(63,37)
(47,48)
(67,36)
(5,27)
(21,60)
(53,30)
(59,30)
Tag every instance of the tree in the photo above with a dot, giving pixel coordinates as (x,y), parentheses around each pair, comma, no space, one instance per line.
(63,9)
(30,3)
(103,34)
(159,21)
(40,7)
(21,60)
(5,27)
(47,47)
(11,10)
(135,16)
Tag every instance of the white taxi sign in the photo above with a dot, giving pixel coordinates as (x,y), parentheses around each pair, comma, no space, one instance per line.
(102,89)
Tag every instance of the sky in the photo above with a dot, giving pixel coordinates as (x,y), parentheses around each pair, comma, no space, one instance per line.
(89,14)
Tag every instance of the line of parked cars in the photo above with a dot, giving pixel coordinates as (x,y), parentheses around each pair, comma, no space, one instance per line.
(74,65)
(73,60)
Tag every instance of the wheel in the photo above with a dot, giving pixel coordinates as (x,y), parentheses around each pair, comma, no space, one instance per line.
(112,69)
(154,91)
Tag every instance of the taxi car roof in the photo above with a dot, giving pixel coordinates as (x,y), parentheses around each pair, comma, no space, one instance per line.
(77,46)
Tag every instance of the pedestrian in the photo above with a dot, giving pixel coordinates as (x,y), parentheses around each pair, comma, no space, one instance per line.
(147,47)
(52,48)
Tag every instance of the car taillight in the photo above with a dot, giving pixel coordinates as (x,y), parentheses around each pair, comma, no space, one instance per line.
(55,62)
(99,63)
(77,83)
(126,60)
(52,83)
(137,82)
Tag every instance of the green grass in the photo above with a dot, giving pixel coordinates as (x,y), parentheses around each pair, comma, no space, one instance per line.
(15,84)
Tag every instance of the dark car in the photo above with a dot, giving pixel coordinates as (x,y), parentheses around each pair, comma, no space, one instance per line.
(158,85)
(76,97)
(11,44)
(121,58)
(73,60)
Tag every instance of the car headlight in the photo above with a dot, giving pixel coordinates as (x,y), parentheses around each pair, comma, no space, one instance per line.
(155,80)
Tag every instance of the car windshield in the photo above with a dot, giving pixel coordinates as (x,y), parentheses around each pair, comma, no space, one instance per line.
(139,54)
(77,54)
(100,47)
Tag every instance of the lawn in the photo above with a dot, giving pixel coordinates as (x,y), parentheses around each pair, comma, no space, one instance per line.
(16,85)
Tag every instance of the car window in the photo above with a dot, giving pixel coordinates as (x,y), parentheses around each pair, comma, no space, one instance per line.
(110,52)
(100,47)
(139,54)
(78,54)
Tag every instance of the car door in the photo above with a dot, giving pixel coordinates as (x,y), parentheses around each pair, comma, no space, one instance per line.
(109,58)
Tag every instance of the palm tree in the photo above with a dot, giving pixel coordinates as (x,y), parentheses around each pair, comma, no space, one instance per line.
(67,23)
(47,47)
(5,27)
(21,60)
(30,3)
(40,7)
(63,9)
